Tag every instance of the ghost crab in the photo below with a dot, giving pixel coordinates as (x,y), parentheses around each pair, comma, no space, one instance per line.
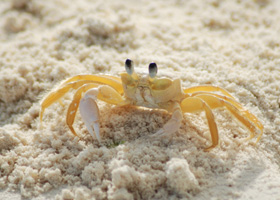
(148,91)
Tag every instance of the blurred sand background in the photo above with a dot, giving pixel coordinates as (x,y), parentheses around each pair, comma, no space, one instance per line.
(231,44)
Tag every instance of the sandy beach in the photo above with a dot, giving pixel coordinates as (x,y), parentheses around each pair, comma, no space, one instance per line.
(230,44)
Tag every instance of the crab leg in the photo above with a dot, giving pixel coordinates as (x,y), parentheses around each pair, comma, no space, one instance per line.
(195,104)
(208,88)
(242,115)
(56,95)
(76,82)
(174,123)
(89,110)
(245,112)
(112,81)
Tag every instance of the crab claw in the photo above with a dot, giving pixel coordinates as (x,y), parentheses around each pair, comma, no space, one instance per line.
(172,125)
(90,113)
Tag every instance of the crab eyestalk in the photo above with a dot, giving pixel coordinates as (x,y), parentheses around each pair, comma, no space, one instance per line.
(129,67)
(152,70)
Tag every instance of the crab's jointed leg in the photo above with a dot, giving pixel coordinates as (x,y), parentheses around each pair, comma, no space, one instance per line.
(195,104)
(236,104)
(88,108)
(244,116)
(56,95)
(112,81)
(228,101)
(76,82)
(208,88)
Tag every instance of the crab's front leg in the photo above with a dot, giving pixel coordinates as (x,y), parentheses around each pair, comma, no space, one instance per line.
(174,123)
(89,110)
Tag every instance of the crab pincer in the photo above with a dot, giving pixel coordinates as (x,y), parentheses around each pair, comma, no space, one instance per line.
(90,113)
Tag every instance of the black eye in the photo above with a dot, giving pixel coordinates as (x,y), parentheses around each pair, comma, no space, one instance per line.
(129,66)
(152,70)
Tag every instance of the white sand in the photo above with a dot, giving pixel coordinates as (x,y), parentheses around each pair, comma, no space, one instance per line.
(235,45)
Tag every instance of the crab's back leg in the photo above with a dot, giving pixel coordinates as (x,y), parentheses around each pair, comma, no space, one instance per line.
(76,82)
(57,94)
(236,104)
(88,107)
(244,116)
(194,104)
(208,88)
(112,81)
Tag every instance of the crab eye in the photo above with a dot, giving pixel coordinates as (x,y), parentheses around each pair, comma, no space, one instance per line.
(129,66)
(152,70)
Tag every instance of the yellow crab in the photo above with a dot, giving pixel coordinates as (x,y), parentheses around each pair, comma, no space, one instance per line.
(148,91)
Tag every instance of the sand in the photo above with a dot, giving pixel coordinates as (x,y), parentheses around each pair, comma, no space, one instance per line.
(230,44)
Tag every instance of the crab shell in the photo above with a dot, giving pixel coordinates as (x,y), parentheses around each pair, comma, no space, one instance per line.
(142,90)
